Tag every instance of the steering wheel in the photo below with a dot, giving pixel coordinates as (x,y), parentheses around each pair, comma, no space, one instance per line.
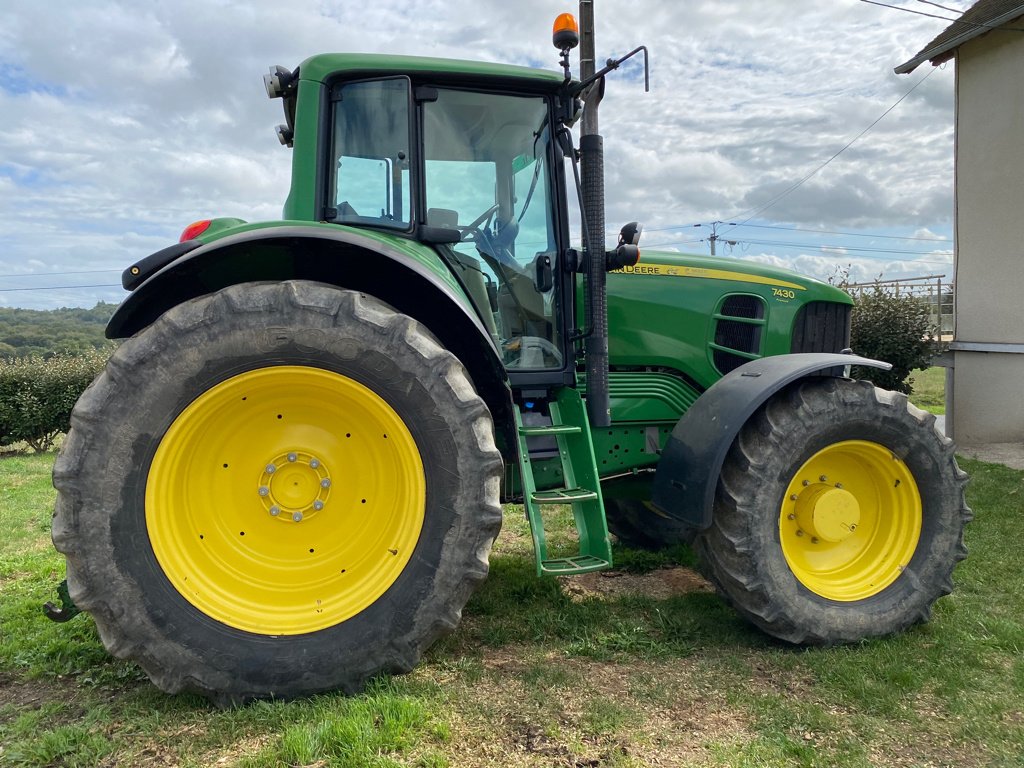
(474,225)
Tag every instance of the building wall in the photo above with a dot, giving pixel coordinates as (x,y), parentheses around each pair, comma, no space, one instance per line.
(988,390)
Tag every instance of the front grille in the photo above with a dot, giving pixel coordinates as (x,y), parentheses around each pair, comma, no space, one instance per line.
(821,326)
(743,306)
(738,325)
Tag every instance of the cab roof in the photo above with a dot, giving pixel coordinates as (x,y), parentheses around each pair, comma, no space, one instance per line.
(326,65)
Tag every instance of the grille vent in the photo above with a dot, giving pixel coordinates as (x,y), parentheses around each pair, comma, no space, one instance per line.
(738,327)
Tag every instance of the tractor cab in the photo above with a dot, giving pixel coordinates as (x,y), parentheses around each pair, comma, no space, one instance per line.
(471,170)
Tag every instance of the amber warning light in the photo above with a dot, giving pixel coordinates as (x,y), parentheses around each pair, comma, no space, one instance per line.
(565,33)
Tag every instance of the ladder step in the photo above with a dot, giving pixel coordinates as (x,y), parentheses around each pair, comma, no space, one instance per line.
(563,496)
(549,430)
(568,566)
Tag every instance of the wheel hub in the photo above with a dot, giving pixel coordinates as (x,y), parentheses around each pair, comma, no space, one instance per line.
(850,520)
(828,512)
(294,486)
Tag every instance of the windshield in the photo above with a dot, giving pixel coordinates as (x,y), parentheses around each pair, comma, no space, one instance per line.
(486,164)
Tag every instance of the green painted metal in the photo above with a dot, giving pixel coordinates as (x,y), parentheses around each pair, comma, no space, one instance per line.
(582,488)
(662,313)
(415,250)
(324,66)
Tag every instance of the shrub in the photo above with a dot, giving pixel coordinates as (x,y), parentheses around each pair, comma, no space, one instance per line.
(894,329)
(36,396)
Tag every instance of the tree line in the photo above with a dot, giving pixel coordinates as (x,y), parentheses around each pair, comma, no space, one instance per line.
(26,333)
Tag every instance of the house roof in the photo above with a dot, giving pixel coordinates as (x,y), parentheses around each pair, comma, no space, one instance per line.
(977,20)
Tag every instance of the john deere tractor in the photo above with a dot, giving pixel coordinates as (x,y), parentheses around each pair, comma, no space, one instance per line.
(289,476)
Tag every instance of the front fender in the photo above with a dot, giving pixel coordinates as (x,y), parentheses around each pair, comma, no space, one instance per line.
(687,473)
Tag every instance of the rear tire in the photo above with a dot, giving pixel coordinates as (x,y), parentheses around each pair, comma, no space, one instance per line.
(637,524)
(335,435)
(839,515)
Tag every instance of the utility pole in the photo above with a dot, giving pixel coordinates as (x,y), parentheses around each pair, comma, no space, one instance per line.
(714,237)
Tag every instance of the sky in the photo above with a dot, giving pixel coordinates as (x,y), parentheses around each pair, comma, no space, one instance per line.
(123,122)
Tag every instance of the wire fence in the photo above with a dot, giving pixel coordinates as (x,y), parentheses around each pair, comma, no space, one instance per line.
(934,290)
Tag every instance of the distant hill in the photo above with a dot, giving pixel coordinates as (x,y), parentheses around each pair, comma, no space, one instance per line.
(28,332)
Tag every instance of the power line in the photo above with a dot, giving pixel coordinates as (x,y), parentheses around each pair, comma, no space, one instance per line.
(56,274)
(61,287)
(929,2)
(824,249)
(754,212)
(853,248)
(850,234)
(813,231)
(944,18)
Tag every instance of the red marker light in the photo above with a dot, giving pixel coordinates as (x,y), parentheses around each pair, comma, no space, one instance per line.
(195,229)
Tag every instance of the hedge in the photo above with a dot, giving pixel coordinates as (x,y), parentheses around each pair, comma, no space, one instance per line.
(37,395)
(894,329)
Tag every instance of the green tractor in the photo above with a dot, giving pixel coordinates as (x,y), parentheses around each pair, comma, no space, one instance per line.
(289,476)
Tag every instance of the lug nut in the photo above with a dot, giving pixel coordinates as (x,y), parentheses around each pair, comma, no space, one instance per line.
(314,463)
(823,478)
(791,517)
(325,483)
(794,497)
(271,469)
(293,457)
(799,533)
(318,505)
(839,485)
(263,491)
(275,511)
(297,517)
(806,483)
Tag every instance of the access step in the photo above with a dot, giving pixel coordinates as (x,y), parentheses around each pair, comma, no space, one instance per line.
(549,430)
(569,431)
(571,566)
(563,496)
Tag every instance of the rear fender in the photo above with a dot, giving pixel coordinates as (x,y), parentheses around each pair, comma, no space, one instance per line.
(338,257)
(687,473)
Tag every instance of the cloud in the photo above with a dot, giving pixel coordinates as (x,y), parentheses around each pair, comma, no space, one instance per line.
(124,122)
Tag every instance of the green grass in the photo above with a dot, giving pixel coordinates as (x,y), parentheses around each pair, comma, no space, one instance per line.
(929,389)
(538,676)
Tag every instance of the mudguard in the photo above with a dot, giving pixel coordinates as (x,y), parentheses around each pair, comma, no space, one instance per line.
(687,473)
(332,255)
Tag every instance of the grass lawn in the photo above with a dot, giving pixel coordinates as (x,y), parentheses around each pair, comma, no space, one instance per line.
(929,388)
(642,667)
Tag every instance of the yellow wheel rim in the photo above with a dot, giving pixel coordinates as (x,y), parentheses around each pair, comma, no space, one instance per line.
(285,500)
(850,520)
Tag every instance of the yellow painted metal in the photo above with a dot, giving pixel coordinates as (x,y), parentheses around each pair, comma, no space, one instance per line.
(285,500)
(850,520)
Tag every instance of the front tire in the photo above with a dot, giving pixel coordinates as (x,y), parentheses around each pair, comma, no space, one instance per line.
(275,490)
(838,516)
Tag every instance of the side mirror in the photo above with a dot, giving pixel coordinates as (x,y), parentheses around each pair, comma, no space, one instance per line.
(630,233)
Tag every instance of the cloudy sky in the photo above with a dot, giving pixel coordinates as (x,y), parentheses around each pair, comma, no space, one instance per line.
(125,121)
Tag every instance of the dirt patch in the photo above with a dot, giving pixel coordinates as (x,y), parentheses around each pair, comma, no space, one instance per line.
(20,695)
(659,584)
(662,713)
